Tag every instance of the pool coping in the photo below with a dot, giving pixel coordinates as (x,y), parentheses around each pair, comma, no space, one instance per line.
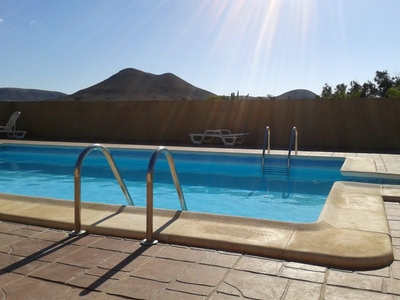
(352,231)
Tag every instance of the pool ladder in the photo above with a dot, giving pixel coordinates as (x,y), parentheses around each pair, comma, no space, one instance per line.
(149,240)
(77,183)
(267,139)
(279,170)
(149,188)
(293,140)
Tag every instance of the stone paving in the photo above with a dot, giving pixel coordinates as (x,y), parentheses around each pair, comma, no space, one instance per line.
(43,263)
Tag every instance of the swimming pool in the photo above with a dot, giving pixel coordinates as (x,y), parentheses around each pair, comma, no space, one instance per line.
(229,184)
(351,231)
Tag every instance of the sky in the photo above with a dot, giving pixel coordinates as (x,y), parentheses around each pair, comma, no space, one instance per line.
(256,47)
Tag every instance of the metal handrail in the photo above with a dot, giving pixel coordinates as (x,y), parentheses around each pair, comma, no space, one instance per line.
(149,192)
(293,137)
(267,137)
(77,183)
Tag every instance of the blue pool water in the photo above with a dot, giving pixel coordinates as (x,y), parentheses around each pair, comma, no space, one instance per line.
(230,184)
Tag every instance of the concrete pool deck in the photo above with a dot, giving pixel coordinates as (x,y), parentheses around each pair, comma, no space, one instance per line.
(352,231)
(347,219)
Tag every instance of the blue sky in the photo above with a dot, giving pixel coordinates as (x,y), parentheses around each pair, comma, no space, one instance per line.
(258,47)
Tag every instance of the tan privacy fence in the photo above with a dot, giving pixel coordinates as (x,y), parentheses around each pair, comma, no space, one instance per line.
(323,124)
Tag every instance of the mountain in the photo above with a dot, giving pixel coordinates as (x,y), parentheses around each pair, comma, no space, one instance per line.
(135,85)
(17,94)
(298,94)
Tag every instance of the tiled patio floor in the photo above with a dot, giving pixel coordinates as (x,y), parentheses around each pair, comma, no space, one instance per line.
(42,263)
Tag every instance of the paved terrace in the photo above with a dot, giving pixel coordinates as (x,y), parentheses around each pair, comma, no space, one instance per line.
(44,263)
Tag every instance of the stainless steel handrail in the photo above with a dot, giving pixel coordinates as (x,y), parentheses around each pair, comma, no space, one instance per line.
(77,183)
(149,192)
(267,136)
(293,137)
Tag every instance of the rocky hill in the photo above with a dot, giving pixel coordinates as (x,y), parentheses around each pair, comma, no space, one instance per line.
(127,85)
(17,94)
(134,85)
(298,94)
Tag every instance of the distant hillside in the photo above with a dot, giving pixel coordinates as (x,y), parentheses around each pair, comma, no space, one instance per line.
(298,94)
(134,85)
(17,94)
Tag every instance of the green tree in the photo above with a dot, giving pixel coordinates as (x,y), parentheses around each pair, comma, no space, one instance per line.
(354,91)
(384,82)
(236,97)
(396,81)
(270,96)
(232,97)
(393,92)
(216,97)
(369,90)
(340,91)
(384,86)
(327,91)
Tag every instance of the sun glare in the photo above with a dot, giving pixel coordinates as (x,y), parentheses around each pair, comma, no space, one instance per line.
(251,31)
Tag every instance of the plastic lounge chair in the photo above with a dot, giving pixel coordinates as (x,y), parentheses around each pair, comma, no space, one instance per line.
(228,138)
(11,128)
(207,136)
(234,138)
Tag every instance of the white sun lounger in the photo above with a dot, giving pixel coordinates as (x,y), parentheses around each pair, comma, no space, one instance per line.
(228,138)
(11,128)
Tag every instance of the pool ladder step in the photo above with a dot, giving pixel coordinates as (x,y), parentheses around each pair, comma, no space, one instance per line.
(275,167)
(276,170)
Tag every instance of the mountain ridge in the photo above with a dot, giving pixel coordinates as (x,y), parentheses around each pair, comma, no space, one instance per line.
(135,85)
(298,94)
(20,94)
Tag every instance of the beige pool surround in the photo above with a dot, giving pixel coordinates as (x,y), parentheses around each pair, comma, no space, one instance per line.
(352,231)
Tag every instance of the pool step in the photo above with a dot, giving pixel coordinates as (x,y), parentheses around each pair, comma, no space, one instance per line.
(275,170)
(275,167)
